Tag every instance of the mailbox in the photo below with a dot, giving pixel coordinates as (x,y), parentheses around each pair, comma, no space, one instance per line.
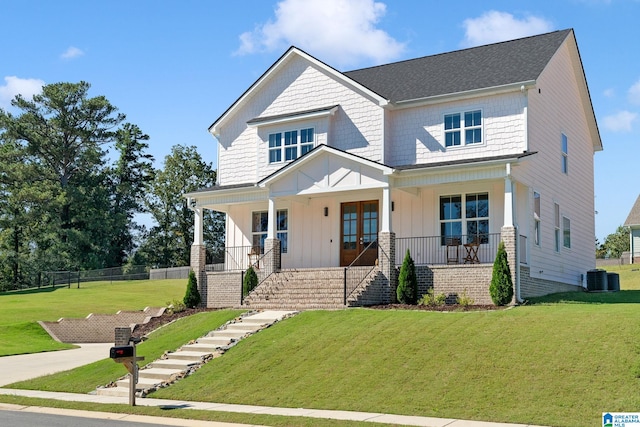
(121,352)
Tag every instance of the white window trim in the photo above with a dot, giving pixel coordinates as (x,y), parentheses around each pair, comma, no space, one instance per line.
(463,128)
(463,219)
(563,232)
(557,227)
(564,161)
(537,220)
(283,147)
(278,232)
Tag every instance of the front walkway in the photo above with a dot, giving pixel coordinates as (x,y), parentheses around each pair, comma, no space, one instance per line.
(249,409)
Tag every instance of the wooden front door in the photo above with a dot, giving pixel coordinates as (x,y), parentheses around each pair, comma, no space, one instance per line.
(358,229)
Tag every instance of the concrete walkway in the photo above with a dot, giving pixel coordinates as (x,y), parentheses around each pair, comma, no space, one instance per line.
(264,410)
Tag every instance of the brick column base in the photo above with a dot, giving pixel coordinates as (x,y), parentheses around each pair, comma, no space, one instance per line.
(510,238)
(198,264)
(272,259)
(386,261)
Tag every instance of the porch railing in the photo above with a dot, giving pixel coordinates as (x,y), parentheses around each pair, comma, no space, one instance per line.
(232,258)
(437,250)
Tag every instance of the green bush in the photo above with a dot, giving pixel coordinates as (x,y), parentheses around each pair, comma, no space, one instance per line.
(501,288)
(431,300)
(175,306)
(407,291)
(250,281)
(192,296)
(464,299)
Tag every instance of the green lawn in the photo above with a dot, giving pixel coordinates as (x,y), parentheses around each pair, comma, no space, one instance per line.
(20,332)
(561,360)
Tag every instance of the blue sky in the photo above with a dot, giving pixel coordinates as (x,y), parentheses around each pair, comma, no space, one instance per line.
(174,67)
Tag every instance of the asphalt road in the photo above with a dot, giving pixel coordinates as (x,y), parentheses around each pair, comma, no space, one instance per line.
(31,419)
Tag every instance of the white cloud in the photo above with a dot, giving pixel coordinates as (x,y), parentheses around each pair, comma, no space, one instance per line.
(634,93)
(495,26)
(609,93)
(341,32)
(14,86)
(71,52)
(620,122)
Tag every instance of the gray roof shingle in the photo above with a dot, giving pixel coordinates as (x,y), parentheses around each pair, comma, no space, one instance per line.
(480,67)
(634,215)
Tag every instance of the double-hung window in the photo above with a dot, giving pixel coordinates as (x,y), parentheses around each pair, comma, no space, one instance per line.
(463,128)
(469,212)
(566,232)
(259,228)
(296,143)
(556,210)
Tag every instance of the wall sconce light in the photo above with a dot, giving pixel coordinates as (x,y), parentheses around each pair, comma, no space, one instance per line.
(326,211)
(393,206)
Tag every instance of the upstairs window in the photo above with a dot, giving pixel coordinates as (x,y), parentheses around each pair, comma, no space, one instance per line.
(463,128)
(296,143)
(565,154)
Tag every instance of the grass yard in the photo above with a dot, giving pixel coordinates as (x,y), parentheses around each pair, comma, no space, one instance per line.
(20,332)
(86,378)
(560,360)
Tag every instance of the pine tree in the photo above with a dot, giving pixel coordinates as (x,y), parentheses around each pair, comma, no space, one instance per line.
(192,296)
(249,282)
(501,288)
(407,291)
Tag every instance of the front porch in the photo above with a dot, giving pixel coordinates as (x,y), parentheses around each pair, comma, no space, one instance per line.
(449,267)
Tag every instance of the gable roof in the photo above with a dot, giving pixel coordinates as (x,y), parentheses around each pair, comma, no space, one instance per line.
(494,65)
(634,215)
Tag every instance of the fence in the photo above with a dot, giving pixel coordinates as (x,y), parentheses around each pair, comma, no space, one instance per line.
(68,277)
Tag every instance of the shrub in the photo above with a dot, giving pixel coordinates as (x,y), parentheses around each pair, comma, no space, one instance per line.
(249,282)
(501,288)
(430,299)
(407,291)
(192,296)
(464,299)
(175,306)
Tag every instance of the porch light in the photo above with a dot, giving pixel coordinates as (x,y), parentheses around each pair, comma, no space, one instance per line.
(326,211)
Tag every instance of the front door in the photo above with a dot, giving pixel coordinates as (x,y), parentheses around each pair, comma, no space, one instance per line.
(358,229)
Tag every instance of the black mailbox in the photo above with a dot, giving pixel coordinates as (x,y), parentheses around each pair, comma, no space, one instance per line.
(122,351)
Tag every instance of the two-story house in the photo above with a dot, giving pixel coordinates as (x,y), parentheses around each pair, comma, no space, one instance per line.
(327,178)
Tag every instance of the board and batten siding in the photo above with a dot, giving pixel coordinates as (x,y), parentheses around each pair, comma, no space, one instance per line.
(554,108)
(416,135)
(298,85)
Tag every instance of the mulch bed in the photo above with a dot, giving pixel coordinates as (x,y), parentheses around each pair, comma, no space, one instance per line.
(156,322)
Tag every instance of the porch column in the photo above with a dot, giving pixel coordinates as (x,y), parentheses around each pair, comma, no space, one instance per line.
(385,220)
(387,264)
(272,259)
(271,226)
(508,198)
(509,236)
(198,258)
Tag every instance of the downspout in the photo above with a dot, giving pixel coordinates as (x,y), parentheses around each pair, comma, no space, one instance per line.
(514,223)
(383,144)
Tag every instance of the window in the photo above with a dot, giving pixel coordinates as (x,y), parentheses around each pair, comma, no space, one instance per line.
(459,132)
(565,154)
(566,232)
(536,218)
(296,144)
(472,216)
(556,209)
(260,225)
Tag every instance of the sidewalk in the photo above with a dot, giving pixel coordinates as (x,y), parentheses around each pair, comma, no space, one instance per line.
(247,409)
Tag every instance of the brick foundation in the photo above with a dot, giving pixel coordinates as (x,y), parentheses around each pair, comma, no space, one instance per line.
(453,280)
(534,287)
(223,289)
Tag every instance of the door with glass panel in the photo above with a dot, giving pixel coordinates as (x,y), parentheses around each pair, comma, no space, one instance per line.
(359,231)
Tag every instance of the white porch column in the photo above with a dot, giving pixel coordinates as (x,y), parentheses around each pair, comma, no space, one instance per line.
(508,199)
(271,227)
(198,226)
(385,220)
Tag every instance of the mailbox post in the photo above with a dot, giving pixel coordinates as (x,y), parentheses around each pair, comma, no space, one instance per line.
(125,352)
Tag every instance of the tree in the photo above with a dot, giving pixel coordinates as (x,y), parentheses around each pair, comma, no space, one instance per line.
(192,296)
(62,132)
(407,290)
(615,244)
(131,177)
(501,288)
(168,243)
(249,281)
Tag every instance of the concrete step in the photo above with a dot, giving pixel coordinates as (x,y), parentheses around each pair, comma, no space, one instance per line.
(242,326)
(232,333)
(143,383)
(202,348)
(214,341)
(158,373)
(180,364)
(193,356)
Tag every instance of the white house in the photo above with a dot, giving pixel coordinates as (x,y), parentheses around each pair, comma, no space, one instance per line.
(633,222)
(444,155)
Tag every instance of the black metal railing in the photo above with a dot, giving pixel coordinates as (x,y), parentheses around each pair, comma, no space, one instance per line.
(232,258)
(355,274)
(438,250)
